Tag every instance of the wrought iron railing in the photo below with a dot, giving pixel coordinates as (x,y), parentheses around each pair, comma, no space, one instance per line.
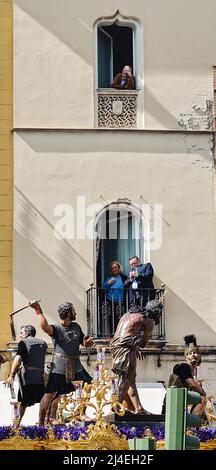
(106,306)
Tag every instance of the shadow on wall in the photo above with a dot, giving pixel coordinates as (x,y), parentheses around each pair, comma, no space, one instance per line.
(37,276)
(72,142)
(45,267)
(52,15)
(68,24)
(58,18)
(31,218)
(156,109)
(54,271)
(180,320)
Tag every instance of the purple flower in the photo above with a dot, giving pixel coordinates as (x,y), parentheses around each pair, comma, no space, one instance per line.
(33,432)
(73,433)
(6,432)
(139,431)
(69,433)
(206,434)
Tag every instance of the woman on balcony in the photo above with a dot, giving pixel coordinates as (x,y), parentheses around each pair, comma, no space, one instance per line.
(113,306)
(124,80)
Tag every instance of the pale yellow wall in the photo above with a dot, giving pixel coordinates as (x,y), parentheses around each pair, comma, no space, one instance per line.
(174,170)
(54,60)
(6,169)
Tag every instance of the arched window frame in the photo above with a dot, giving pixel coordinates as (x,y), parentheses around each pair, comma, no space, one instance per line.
(135,25)
(138,59)
(144,230)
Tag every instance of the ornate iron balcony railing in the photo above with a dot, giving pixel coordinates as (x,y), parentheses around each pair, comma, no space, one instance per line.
(105,307)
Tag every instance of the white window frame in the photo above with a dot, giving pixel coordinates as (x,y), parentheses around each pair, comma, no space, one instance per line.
(138,58)
(144,230)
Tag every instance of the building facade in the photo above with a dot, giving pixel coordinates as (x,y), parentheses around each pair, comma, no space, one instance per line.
(85,153)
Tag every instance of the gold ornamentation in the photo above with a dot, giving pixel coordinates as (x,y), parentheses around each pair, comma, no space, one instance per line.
(102,391)
(98,439)
(148,433)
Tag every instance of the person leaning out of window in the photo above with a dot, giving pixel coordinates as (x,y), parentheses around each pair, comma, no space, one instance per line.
(124,80)
(114,286)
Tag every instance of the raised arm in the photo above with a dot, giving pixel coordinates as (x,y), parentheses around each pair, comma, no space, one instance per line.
(42,320)
(108,282)
(131,83)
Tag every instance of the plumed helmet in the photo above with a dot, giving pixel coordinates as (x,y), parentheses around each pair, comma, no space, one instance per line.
(191,345)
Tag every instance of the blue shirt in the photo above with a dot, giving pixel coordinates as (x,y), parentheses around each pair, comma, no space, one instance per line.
(115,291)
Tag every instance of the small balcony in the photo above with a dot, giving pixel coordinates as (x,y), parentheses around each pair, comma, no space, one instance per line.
(104,310)
(117,108)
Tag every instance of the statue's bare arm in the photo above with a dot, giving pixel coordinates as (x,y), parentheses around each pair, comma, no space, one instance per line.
(147,332)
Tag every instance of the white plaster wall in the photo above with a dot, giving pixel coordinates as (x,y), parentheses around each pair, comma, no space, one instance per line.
(149,372)
(54,61)
(173,170)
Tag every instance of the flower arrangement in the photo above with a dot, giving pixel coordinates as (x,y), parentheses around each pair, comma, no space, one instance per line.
(139,431)
(73,433)
(33,432)
(42,432)
(6,432)
(206,434)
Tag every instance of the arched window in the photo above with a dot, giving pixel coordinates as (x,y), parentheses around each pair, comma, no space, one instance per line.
(118,43)
(120,230)
(115,49)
